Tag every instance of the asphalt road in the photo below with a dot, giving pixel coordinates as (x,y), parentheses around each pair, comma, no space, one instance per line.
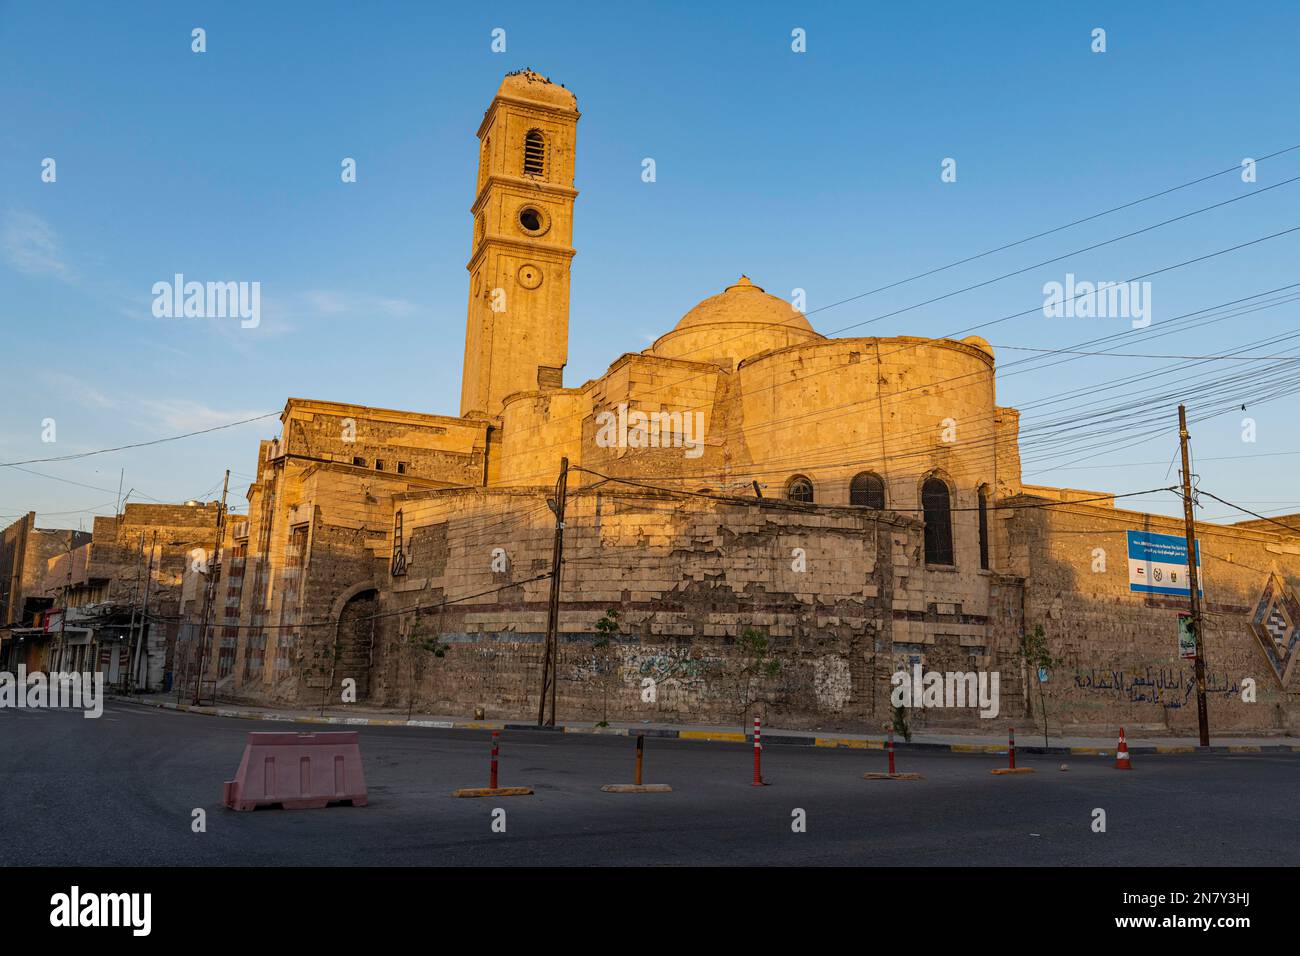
(121,790)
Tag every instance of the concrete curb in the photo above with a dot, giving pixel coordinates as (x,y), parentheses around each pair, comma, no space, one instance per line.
(846,743)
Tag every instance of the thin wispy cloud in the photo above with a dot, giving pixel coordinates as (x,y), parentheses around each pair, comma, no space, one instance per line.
(31,247)
(287,313)
(72,387)
(185,415)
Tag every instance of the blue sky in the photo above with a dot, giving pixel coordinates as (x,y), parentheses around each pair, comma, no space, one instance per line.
(817,171)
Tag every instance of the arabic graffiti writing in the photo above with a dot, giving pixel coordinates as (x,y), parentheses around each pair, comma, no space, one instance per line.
(632,667)
(670,664)
(1167,686)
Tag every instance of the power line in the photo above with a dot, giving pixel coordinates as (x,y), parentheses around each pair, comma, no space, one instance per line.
(140,444)
(740,499)
(1248,511)
(1137,464)
(861,295)
(1149,355)
(1048,232)
(925,342)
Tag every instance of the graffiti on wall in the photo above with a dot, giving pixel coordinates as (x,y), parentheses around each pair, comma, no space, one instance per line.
(1166,686)
(633,666)
(673,663)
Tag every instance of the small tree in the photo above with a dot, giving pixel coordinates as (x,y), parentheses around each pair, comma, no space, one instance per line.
(752,664)
(420,645)
(608,628)
(1036,655)
(334,655)
(900,723)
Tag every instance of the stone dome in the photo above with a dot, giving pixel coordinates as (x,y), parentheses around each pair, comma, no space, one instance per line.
(744,303)
(742,321)
(527,85)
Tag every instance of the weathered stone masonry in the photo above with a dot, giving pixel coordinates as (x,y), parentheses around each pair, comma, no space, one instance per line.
(404,551)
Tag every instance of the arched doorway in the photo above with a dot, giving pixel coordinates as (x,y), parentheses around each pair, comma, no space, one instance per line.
(355,640)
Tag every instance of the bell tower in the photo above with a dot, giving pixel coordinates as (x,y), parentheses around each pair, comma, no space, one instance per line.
(517,334)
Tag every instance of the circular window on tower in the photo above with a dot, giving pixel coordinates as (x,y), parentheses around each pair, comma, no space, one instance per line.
(530,277)
(533,220)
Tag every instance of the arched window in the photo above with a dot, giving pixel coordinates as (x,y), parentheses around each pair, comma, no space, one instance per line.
(936,505)
(534,153)
(799,488)
(984,527)
(867,490)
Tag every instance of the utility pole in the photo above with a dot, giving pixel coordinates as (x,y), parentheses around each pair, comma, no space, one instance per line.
(1193,582)
(549,664)
(63,618)
(127,671)
(209,589)
(142,642)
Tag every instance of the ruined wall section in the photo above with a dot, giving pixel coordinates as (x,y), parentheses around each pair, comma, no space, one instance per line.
(688,577)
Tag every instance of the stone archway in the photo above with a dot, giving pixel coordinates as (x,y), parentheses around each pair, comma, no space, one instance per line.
(355,637)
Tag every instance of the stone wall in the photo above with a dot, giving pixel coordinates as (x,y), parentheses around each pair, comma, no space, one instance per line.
(1120,662)
(825,587)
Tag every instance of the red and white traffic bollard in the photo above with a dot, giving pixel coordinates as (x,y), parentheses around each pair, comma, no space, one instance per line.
(1011,747)
(495,751)
(890,748)
(758,755)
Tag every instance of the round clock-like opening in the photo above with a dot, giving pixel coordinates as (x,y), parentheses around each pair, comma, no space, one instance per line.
(530,219)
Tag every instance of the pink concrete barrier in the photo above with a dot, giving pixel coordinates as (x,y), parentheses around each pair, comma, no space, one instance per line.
(298,772)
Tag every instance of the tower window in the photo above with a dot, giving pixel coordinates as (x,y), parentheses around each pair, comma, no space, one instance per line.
(534,153)
(799,488)
(937,507)
(530,219)
(867,490)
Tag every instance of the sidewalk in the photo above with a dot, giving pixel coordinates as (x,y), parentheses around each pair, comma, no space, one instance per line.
(952,743)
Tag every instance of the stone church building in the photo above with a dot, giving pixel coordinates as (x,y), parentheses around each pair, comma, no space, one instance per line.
(857,503)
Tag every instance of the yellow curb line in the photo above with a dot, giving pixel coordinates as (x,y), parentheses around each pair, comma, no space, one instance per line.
(637,788)
(1243,749)
(849,743)
(1095,751)
(710,735)
(977,748)
(1005,770)
(1175,750)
